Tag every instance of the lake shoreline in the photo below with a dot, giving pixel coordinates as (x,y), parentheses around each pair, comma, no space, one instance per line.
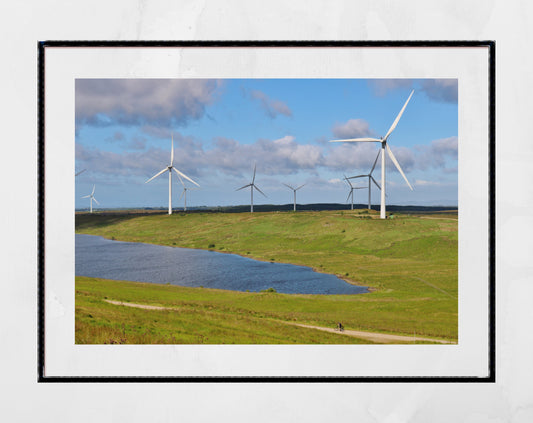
(250,257)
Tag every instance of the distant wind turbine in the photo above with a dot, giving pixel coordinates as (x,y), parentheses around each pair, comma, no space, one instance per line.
(385,146)
(370,178)
(350,194)
(294,189)
(169,169)
(184,193)
(252,186)
(91,196)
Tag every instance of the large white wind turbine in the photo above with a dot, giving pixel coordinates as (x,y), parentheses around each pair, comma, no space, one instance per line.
(252,186)
(169,169)
(385,146)
(184,193)
(370,179)
(91,196)
(294,189)
(350,194)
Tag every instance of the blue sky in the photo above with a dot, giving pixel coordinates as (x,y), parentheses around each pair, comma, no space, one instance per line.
(222,127)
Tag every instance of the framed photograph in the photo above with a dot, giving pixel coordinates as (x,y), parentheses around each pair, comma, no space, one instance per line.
(266,211)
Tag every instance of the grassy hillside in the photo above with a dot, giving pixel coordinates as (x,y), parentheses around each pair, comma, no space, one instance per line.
(410,261)
(199,315)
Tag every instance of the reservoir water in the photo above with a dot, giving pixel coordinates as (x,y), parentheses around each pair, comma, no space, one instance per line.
(102,258)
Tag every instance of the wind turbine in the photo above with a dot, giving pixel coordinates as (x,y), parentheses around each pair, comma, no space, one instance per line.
(351,189)
(184,193)
(91,196)
(169,169)
(385,146)
(294,189)
(370,178)
(252,186)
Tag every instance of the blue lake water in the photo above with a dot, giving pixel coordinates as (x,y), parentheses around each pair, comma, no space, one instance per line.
(102,258)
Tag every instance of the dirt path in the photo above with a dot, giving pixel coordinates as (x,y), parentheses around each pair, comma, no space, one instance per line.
(146,307)
(380,338)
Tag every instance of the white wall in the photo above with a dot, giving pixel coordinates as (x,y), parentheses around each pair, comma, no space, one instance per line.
(507,22)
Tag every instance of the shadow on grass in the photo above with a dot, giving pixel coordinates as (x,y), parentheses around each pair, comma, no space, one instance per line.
(100,220)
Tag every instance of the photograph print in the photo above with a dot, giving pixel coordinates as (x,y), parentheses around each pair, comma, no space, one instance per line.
(266,211)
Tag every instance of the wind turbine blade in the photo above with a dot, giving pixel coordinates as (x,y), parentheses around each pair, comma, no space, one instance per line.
(172,151)
(80,172)
(185,176)
(350,193)
(300,186)
(96,201)
(94,186)
(156,175)
(253,179)
(182,192)
(397,165)
(358,140)
(86,196)
(259,190)
(348,181)
(358,176)
(398,117)
(375,161)
(375,182)
(246,186)
(288,186)
(181,180)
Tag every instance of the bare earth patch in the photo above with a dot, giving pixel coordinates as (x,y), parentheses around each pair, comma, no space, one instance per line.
(146,307)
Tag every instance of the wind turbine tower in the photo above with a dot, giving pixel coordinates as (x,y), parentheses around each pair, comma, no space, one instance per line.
(252,186)
(385,146)
(169,169)
(294,190)
(350,194)
(184,193)
(370,179)
(91,196)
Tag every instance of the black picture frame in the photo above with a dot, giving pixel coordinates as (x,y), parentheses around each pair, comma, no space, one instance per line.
(42,378)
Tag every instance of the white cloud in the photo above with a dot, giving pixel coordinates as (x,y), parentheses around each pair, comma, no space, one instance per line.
(443,90)
(282,156)
(438,153)
(440,90)
(382,87)
(142,101)
(271,107)
(227,158)
(422,182)
(425,183)
(353,128)
(350,156)
(224,157)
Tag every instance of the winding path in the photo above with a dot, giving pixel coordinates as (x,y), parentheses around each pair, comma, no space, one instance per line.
(381,338)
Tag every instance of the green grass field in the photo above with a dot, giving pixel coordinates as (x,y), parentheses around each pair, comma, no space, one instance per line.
(409,262)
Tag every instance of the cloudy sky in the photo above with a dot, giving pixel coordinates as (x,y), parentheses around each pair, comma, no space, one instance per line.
(222,127)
